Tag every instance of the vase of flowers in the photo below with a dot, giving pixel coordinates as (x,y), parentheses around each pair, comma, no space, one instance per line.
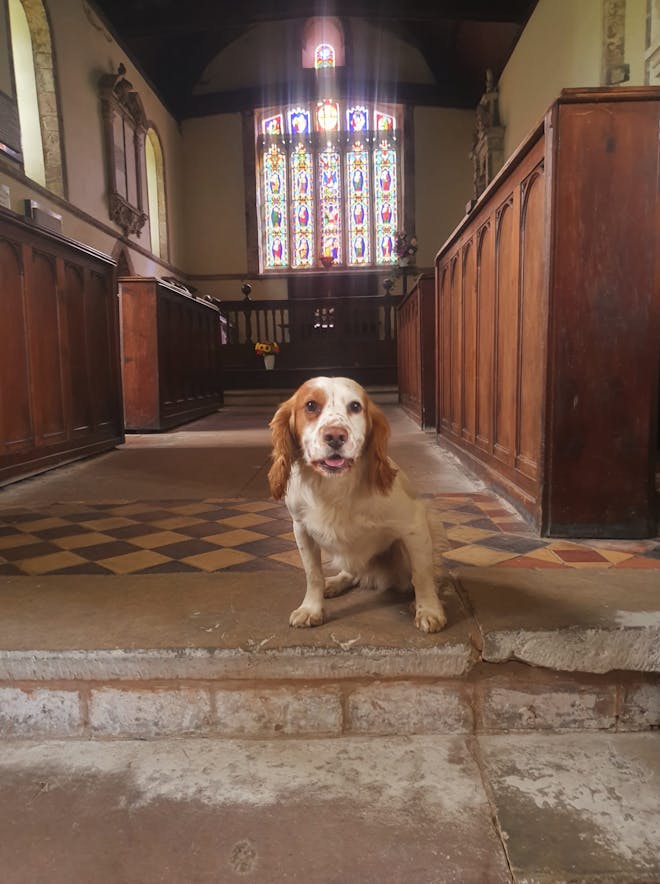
(405,247)
(267,350)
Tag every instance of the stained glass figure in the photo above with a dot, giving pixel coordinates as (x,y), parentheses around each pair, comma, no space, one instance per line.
(358,119)
(324,56)
(384,122)
(275,202)
(299,121)
(302,207)
(329,178)
(273,125)
(385,211)
(358,201)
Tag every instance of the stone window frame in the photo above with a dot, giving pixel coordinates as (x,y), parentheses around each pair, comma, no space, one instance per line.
(48,101)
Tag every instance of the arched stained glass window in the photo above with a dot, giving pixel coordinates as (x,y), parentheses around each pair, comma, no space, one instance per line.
(329,185)
(324,57)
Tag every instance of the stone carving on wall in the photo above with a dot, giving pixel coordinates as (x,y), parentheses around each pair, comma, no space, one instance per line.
(125,128)
(615,69)
(487,151)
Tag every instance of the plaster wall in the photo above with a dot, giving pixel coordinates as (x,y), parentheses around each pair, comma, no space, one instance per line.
(443,175)
(561,47)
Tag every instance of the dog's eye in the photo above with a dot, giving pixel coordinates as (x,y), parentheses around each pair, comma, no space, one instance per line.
(355,406)
(312,407)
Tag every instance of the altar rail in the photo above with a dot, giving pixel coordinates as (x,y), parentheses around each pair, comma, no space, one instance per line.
(548,327)
(352,336)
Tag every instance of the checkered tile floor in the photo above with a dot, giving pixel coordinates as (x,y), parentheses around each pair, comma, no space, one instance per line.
(129,537)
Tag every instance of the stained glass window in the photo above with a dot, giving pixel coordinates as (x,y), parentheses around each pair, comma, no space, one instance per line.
(358,204)
(385,205)
(275,203)
(302,207)
(327,116)
(324,57)
(329,170)
(328,186)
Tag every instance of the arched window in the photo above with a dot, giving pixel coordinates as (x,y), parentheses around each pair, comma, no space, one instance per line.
(36,96)
(156,194)
(328,184)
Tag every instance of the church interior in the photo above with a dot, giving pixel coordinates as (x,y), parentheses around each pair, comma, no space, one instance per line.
(202,205)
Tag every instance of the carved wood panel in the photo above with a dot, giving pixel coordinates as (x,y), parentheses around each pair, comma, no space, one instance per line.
(561,347)
(51,357)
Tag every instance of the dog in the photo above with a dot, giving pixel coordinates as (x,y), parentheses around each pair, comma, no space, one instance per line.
(347,497)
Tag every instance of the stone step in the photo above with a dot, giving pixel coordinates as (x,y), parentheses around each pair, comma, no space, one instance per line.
(382,395)
(156,656)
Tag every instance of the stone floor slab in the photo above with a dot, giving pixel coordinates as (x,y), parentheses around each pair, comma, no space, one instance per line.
(579,808)
(567,620)
(317,812)
(212,626)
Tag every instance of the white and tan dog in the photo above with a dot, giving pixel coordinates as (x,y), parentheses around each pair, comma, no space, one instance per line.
(348,498)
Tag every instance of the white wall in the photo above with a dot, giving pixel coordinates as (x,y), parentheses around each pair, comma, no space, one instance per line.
(443,175)
(561,47)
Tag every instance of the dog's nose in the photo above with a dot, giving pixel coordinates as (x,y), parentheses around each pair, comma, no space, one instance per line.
(335,437)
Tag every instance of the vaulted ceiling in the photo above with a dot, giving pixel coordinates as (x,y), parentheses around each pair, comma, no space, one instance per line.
(172,42)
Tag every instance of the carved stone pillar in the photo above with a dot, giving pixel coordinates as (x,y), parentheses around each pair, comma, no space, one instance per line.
(487,152)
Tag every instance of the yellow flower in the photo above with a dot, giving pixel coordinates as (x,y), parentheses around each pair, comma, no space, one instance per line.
(265,348)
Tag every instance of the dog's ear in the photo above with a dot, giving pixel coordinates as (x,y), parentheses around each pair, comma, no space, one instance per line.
(381,471)
(285,448)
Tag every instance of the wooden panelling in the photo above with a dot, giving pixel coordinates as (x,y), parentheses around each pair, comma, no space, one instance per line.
(506,331)
(531,350)
(416,351)
(170,346)
(76,330)
(46,348)
(444,348)
(485,334)
(16,420)
(605,330)
(469,336)
(548,384)
(51,361)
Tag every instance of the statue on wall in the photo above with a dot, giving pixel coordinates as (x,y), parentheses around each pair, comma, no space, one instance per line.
(487,151)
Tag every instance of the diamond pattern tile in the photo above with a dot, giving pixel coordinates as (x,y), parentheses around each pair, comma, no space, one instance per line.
(188,536)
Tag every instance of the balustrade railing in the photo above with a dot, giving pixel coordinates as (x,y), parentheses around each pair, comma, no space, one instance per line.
(355,336)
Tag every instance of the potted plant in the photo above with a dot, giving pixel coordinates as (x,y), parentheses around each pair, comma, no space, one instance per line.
(405,246)
(268,350)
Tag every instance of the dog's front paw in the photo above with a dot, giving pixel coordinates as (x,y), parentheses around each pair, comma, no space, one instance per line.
(430,619)
(306,616)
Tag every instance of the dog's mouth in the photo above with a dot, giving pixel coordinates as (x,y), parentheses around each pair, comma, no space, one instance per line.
(334,463)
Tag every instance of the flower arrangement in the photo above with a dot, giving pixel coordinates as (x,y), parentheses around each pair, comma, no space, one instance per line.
(405,244)
(266,348)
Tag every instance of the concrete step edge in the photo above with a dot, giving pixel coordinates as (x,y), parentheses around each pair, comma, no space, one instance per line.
(492,699)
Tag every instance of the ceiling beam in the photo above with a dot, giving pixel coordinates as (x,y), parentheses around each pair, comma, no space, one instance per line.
(158,20)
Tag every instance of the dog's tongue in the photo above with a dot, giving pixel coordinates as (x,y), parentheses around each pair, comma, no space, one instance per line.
(335,461)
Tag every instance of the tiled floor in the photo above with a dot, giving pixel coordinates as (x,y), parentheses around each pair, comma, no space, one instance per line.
(235,534)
